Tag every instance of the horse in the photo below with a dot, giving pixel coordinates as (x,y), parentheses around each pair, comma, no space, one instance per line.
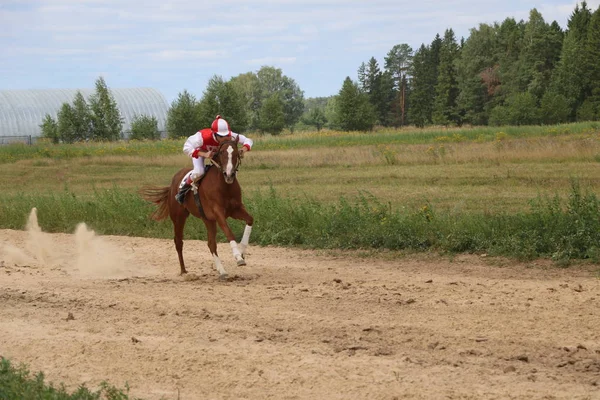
(219,197)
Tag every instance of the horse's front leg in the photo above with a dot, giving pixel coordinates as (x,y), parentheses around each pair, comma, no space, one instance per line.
(243,215)
(237,254)
(211,229)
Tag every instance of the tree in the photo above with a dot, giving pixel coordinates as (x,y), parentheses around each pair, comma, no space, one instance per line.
(510,41)
(539,54)
(331,113)
(272,117)
(477,74)
(424,72)
(182,117)
(589,110)
(419,98)
(144,127)
(445,111)
(82,119)
(270,81)
(520,109)
(49,129)
(106,118)
(571,78)
(316,117)
(379,87)
(362,76)
(354,112)
(246,86)
(221,98)
(554,108)
(398,62)
(66,124)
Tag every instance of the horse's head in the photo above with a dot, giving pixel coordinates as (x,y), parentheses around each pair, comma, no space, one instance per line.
(227,159)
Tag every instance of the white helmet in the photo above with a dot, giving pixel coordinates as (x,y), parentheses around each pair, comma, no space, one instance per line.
(220,127)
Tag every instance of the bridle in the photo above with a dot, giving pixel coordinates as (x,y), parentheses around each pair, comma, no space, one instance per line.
(214,158)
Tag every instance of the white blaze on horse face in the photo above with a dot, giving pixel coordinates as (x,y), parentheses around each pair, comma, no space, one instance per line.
(229,168)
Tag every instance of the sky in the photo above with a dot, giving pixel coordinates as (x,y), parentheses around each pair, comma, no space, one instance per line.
(181,44)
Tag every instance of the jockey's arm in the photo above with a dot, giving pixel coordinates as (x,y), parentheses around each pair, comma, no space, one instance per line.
(246,142)
(192,146)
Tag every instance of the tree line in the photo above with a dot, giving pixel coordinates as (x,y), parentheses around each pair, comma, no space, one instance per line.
(508,73)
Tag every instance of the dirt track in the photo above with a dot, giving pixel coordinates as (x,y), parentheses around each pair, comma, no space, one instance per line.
(296,324)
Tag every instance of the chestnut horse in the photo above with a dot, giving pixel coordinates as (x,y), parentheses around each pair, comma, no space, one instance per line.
(220,197)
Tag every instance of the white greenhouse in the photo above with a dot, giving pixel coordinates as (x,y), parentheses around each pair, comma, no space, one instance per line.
(22,111)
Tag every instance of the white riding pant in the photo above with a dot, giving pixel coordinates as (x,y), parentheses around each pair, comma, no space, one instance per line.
(198,170)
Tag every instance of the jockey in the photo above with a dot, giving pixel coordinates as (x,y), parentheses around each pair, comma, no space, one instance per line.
(201,145)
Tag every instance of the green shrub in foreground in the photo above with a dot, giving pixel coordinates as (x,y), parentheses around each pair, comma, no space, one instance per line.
(549,229)
(16,383)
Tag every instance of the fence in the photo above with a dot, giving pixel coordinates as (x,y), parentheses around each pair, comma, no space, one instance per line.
(29,139)
(25,139)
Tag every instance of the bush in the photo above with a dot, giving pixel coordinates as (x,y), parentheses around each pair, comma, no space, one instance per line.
(144,127)
(16,383)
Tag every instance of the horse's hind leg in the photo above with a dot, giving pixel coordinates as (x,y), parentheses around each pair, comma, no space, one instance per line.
(211,229)
(179,217)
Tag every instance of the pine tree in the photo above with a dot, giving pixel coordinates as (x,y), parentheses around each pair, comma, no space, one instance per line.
(510,41)
(590,108)
(182,117)
(379,87)
(362,76)
(398,62)
(539,54)
(354,111)
(478,77)
(445,108)
(571,77)
(420,101)
(106,117)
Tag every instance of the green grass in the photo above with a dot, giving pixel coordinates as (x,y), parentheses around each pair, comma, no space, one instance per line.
(17,383)
(301,140)
(562,230)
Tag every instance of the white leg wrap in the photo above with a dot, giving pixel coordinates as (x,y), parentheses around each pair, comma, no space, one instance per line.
(236,252)
(245,239)
(219,266)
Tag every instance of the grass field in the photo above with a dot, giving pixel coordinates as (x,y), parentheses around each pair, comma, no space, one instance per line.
(460,175)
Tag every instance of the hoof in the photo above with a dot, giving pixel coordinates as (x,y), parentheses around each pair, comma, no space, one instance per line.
(223,277)
(241,262)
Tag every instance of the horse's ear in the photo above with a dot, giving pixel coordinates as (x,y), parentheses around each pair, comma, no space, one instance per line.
(237,139)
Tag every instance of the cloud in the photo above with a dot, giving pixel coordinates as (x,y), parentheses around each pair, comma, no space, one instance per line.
(271,61)
(179,55)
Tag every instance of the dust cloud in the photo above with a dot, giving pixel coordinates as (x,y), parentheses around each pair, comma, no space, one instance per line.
(91,256)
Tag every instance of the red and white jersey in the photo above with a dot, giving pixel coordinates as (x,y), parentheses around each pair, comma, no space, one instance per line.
(205,141)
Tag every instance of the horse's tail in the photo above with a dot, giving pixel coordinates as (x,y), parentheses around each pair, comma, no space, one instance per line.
(159,196)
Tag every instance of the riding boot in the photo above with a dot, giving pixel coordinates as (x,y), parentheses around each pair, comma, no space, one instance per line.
(183,189)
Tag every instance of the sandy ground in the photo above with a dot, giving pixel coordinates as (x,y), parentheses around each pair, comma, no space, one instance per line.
(295,324)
